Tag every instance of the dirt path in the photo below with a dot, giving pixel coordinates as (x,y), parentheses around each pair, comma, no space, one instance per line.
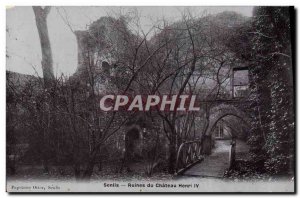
(215,164)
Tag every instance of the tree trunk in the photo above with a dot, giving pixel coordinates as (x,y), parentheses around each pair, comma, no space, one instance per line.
(47,63)
(89,170)
(172,155)
(41,24)
(77,171)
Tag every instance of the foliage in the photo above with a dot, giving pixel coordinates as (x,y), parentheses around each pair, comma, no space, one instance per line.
(265,43)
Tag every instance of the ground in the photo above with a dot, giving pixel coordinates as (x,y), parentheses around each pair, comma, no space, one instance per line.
(216,164)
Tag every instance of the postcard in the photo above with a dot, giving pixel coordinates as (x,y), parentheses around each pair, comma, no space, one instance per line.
(150,99)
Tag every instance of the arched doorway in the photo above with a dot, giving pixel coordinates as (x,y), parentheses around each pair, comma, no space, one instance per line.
(221,112)
(234,131)
(132,145)
(226,123)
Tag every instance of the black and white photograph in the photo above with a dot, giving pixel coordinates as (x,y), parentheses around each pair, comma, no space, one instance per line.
(150,99)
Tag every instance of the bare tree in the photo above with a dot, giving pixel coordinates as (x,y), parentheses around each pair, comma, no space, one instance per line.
(41,24)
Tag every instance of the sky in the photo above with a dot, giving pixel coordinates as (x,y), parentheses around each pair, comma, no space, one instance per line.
(22,40)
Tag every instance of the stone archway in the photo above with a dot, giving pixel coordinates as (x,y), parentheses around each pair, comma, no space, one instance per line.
(218,113)
(221,111)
